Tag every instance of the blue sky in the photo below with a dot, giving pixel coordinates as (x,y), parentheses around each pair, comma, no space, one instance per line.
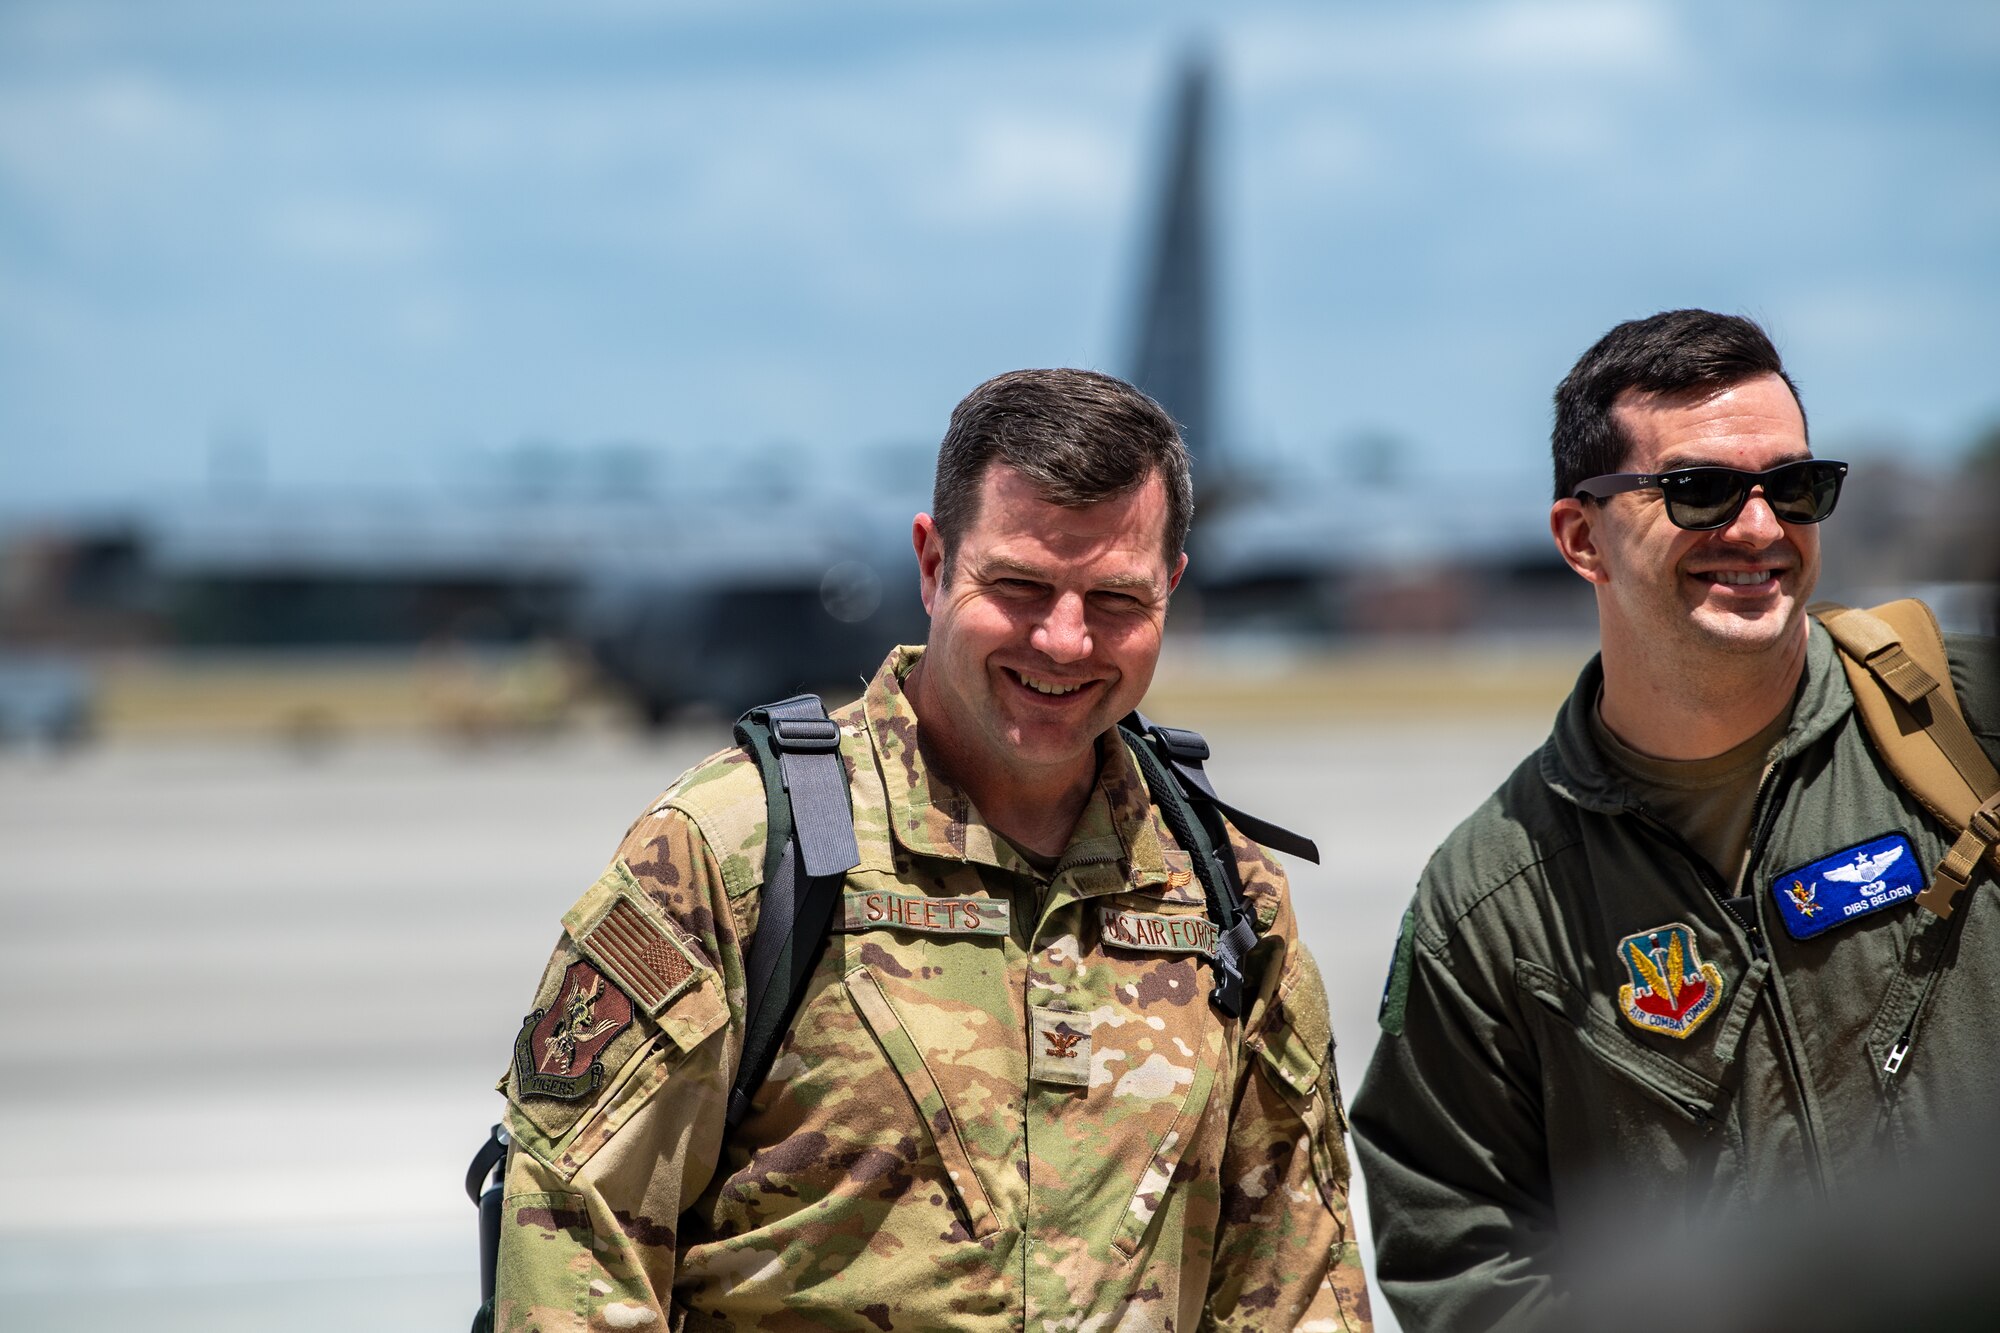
(374,243)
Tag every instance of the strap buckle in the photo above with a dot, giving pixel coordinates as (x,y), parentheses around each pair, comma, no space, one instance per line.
(1190,747)
(805,735)
(1985,821)
(1231,949)
(1894,667)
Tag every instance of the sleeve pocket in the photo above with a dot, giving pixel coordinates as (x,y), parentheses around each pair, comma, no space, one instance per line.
(1304,1076)
(546,1258)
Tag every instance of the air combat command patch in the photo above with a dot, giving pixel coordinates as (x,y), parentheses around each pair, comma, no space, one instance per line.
(1671,990)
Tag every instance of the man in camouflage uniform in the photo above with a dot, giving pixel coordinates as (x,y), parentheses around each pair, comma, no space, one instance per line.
(1006,1101)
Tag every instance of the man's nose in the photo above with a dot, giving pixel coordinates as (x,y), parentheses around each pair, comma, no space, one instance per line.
(1063,634)
(1755,524)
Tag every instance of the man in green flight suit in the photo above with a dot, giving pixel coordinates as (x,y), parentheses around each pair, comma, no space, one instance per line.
(1673,974)
(1006,1101)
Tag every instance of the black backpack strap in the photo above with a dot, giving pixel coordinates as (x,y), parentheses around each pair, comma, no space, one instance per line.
(484,1181)
(1171,759)
(809,848)
(1184,752)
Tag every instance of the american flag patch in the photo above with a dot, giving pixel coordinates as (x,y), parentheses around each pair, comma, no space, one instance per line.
(642,954)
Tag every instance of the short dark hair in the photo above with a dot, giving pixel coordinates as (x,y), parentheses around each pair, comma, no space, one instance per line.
(1675,351)
(1078,436)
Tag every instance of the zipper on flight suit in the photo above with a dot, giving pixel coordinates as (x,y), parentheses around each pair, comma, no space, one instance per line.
(1706,1119)
(1763,815)
(1743,906)
(1899,1051)
(1742,910)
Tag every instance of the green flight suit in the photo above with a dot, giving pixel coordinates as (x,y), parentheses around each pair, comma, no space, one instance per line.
(1515,1102)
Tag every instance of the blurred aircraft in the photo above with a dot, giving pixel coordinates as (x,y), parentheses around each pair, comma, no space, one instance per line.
(1299,545)
(739,580)
(719,591)
(765,599)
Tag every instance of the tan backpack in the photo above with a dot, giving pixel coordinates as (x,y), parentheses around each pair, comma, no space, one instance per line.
(1896,665)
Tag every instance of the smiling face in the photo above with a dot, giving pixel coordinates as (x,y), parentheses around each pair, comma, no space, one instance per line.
(1674,595)
(1045,631)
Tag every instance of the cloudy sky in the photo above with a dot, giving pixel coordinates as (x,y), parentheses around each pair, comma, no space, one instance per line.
(366,242)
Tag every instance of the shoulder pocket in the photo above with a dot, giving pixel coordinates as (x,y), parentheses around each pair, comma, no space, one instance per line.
(588,1056)
(1296,1051)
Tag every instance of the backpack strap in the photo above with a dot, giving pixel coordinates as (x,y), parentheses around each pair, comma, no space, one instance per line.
(1171,759)
(485,1183)
(1184,752)
(1896,665)
(808,849)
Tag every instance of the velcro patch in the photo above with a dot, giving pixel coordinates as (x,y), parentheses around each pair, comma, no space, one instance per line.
(879,909)
(1396,990)
(1182,886)
(557,1053)
(1154,933)
(1060,1043)
(643,954)
(1853,882)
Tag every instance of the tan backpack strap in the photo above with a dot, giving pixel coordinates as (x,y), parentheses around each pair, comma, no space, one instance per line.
(1896,665)
(1981,835)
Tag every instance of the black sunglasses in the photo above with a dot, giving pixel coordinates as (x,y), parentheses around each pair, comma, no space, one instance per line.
(1703,498)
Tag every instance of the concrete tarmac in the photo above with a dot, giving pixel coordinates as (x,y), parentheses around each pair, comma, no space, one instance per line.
(257,998)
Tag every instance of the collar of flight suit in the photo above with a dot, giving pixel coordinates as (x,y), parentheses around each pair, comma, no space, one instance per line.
(928,815)
(1577,769)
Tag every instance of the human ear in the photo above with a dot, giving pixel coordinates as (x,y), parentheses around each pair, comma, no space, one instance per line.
(924,535)
(1574,526)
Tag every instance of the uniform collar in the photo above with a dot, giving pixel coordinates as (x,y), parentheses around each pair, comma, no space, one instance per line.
(928,815)
(1576,767)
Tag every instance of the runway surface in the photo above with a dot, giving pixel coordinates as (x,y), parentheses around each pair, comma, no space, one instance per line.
(256,1000)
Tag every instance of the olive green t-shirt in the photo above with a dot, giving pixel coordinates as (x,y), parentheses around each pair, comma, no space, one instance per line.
(1709,802)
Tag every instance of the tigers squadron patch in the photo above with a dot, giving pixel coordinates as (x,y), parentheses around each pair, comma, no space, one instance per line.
(556,1053)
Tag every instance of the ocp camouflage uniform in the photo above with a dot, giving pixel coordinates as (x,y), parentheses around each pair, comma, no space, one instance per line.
(1006,1101)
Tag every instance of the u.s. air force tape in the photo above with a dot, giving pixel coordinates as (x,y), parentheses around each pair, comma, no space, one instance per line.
(1154,933)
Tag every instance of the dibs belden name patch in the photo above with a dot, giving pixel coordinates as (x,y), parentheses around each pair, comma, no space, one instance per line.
(1849,884)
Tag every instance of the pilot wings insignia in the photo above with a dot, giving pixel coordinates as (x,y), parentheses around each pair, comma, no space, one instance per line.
(1864,867)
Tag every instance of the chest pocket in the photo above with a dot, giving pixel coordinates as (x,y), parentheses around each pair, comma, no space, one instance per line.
(948,1139)
(930,1034)
(1695,1086)
(1157,1048)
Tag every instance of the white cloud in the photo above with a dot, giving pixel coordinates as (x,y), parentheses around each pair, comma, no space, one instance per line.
(1612,38)
(357,231)
(105,137)
(1444,45)
(1559,129)
(1322,149)
(1006,169)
